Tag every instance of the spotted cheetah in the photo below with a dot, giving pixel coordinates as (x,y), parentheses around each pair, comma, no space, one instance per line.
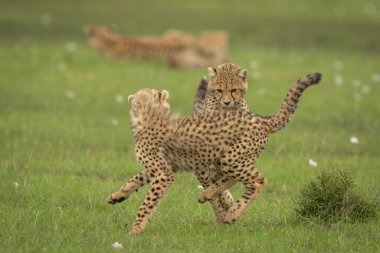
(231,141)
(226,91)
(179,49)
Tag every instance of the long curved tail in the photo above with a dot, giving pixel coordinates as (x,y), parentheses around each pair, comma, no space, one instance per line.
(199,106)
(288,107)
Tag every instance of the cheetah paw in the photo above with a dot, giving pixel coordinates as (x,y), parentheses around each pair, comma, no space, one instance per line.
(204,197)
(115,198)
(231,219)
(136,231)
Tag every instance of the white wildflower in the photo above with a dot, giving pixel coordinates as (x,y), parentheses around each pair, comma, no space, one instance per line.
(46,19)
(119,99)
(117,245)
(254,64)
(357,96)
(71,46)
(115,122)
(354,140)
(61,66)
(338,64)
(16,184)
(366,89)
(313,163)
(70,94)
(256,75)
(376,77)
(370,9)
(338,80)
(200,187)
(261,92)
(90,76)
(356,82)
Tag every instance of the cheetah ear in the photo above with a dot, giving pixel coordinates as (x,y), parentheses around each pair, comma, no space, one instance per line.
(211,72)
(243,73)
(164,95)
(130,97)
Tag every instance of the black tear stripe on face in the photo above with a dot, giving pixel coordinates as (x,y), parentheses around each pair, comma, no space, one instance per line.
(218,94)
(232,95)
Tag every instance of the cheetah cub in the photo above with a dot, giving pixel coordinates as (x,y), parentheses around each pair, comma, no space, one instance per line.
(225,91)
(231,141)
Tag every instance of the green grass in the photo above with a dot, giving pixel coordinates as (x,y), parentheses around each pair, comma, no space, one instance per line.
(66,156)
(332,197)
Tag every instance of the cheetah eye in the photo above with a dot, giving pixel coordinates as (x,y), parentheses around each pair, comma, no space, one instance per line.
(219,91)
(233,90)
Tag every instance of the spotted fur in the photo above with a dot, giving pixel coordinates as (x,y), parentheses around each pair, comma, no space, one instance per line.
(179,49)
(206,101)
(227,88)
(218,95)
(166,142)
(226,91)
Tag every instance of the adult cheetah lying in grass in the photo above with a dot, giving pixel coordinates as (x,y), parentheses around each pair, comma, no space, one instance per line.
(179,49)
(231,141)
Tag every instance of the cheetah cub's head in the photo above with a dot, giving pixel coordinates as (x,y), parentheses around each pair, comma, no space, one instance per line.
(98,35)
(150,97)
(228,85)
(98,31)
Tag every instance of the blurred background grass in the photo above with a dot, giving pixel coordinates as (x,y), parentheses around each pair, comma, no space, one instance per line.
(65,142)
(343,25)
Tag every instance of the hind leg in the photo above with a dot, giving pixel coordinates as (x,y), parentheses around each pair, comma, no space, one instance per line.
(253,182)
(226,198)
(237,165)
(220,203)
(231,164)
(216,188)
(161,181)
(126,190)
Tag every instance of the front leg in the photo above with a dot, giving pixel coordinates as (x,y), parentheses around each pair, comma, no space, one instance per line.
(215,189)
(253,182)
(131,186)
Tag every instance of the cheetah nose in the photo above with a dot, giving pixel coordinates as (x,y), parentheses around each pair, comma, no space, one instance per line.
(226,102)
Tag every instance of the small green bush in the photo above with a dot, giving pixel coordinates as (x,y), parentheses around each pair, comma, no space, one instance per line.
(332,197)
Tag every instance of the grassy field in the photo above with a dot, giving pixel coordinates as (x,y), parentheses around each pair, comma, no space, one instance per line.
(65,142)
